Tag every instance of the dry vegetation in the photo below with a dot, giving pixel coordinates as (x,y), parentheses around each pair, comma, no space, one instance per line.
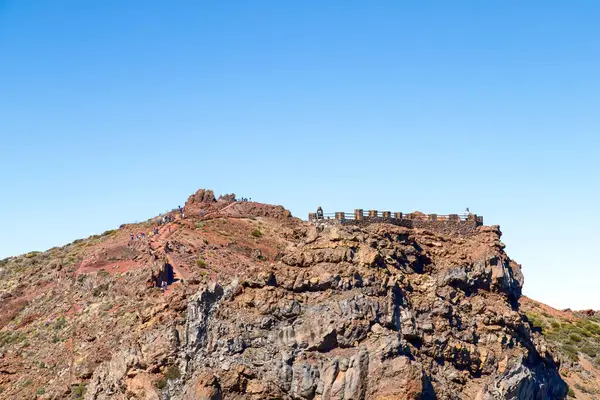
(575,337)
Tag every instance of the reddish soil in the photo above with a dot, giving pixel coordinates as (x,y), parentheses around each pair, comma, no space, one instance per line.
(111,267)
(527,304)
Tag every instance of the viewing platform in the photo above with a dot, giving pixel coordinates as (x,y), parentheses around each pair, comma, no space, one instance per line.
(451,223)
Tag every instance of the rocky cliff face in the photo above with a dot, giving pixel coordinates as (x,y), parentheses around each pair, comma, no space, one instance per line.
(272,307)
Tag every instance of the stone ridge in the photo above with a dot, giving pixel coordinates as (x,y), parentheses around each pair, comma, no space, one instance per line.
(268,306)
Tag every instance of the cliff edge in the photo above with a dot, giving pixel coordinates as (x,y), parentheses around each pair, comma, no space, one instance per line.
(264,305)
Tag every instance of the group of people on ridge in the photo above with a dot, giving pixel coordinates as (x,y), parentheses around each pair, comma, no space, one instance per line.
(143,235)
(165,219)
(161,220)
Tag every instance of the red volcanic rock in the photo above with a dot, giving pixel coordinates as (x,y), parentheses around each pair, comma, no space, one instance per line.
(260,305)
(202,196)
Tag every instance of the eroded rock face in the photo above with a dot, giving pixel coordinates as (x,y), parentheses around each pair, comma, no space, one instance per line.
(267,306)
(378,313)
(202,196)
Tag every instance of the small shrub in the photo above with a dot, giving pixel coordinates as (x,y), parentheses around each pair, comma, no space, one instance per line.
(205,240)
(256,233)
(534,320)
(27,383)
(571,393)
(586,333)
(570,351)
(79,390)
(60,323)
(201,263)
(173,373)
(55,338)
(12,338)
(555,325)
(40,391)
(161,383)
(595,328)
(575,337)
(589,350)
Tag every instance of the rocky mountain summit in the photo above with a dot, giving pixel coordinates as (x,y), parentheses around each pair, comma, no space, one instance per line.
(263,305)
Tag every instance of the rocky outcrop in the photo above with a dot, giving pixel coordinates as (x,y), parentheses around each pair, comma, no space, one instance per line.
(382,312)
(250,209)
(267,306)
(203,203)
(201,196)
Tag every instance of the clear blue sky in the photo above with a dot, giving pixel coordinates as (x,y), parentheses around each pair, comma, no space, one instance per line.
(115,111)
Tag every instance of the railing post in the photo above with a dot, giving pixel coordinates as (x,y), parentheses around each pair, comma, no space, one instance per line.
(454,218)
(358,214)
(372,213)
(433,217)
(398,215)
(387,214)
(312,216)
(340,216)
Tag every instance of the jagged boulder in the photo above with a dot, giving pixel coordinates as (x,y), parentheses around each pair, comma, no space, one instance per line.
(202,196)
